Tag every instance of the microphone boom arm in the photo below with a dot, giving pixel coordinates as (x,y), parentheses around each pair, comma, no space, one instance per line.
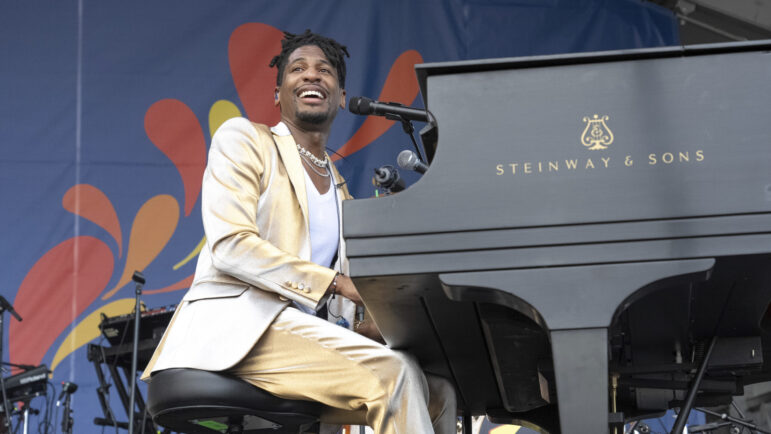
(409,129)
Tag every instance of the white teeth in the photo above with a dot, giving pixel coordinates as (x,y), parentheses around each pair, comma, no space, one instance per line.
(316,93)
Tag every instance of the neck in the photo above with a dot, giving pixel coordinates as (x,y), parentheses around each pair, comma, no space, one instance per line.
(314,140)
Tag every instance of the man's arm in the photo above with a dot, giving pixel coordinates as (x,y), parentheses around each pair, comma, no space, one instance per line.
(345,287)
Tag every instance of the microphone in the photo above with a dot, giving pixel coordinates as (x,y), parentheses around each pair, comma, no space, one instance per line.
(360,105)
(5,305)
(138,277)
(410,161)
(67,388)
(388,177)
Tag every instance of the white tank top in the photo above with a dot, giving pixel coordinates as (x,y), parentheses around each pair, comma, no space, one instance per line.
(325,236)
(325,232)
(322,216)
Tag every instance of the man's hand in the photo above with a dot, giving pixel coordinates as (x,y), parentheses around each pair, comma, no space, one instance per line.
(347,289)
(367,328)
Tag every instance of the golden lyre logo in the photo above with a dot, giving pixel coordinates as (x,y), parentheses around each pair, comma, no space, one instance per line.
(596,135)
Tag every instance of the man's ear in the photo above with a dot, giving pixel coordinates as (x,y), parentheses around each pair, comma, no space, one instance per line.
(275,97)
(342,98)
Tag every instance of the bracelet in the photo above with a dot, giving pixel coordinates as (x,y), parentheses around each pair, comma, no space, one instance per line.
(334,286)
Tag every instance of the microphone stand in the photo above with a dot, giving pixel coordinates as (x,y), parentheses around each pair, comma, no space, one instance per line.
(67,421)
(409,129)
(25,416)
(139,278)
(5,306)
(19,365)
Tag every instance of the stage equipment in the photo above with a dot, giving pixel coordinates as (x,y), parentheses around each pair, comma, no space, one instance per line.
(67,390)
(119,330)
(117,358)
(390,110)
(387,177)
(25,386)
(28,384)
(736,424)
(410,161)
(139,279)
(5,306)
(397,112)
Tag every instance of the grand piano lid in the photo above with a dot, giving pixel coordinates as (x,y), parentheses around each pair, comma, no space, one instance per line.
(687,138)
(425,70)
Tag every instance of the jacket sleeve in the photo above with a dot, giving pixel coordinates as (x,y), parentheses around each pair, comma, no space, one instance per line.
(230,196)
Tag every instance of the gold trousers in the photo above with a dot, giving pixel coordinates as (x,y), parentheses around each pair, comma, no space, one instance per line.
(361,381)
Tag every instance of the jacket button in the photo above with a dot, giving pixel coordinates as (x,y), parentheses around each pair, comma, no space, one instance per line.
(282,298)
(294,285)
(306,290)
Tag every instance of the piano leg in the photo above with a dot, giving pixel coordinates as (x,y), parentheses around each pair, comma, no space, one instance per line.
(468,422)
(581,373)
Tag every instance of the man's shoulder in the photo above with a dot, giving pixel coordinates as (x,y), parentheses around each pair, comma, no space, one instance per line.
(261,128)
(241,133)
(244,125)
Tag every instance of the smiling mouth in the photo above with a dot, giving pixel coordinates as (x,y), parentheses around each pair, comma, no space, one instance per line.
(312,95)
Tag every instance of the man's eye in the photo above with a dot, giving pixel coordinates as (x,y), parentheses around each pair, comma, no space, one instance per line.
(324,70)
(297,68)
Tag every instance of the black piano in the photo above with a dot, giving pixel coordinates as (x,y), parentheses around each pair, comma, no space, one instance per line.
(589,224)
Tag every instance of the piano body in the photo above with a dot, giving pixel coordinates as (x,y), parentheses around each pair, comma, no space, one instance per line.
(587,225)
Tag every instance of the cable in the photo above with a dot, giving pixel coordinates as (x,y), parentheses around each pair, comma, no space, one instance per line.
(46,422)
(741,415)
(336,153)
(736,407)
(658,419)
(685,408)
(144,420)
(56,413)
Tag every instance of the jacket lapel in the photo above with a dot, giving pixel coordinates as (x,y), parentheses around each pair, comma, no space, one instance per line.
(287,148)
(341,194)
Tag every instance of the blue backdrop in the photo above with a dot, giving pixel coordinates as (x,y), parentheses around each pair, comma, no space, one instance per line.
(107,108)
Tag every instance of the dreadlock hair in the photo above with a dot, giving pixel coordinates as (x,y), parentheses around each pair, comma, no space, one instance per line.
(332,49)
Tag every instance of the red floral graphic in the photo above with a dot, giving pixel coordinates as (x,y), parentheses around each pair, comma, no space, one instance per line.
(174,129)
(71,274)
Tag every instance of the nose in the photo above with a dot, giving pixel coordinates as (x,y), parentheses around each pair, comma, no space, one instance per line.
(311,74)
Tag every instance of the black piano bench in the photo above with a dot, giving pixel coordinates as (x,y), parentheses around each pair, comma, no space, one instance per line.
(201,402)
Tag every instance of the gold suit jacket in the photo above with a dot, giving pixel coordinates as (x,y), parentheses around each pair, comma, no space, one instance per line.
(257,253)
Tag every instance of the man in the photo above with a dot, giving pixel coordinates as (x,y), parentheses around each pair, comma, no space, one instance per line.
(271,213)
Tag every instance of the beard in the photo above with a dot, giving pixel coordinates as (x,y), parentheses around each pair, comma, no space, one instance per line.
(314,118)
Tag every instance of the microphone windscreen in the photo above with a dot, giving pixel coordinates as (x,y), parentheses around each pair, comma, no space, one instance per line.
(406,159)
(353,104)
(359,105)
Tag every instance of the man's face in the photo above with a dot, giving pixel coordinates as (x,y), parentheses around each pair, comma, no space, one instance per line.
(310,93)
